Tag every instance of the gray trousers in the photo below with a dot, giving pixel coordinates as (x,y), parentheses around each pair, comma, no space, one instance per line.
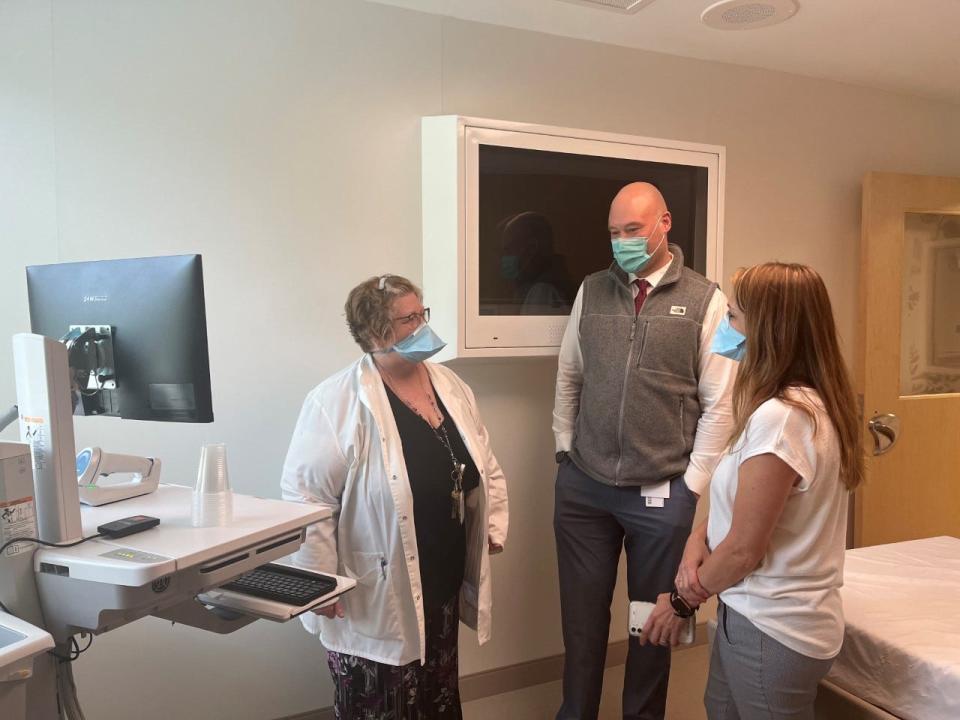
(592,523)
(752,676)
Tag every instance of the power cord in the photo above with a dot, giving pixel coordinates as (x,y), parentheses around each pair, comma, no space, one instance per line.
(68,704)
(115,529)
(38,541)
(75,649)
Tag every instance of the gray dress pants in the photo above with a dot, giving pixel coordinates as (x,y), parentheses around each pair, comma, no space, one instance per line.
(754,677)
(592,522)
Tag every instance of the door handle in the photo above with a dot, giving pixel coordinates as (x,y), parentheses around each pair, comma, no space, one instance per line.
(885,430)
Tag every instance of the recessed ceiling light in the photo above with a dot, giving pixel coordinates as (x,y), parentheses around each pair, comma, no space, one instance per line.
(748,14)
(621,6)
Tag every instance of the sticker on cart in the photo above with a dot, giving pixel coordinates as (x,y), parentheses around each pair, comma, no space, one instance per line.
(18,519)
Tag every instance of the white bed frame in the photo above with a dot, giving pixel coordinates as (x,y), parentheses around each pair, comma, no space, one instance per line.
(835,703)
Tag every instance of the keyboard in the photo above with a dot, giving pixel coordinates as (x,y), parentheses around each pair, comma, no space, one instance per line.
(283,584)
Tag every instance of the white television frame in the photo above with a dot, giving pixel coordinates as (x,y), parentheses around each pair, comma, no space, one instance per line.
(450,203)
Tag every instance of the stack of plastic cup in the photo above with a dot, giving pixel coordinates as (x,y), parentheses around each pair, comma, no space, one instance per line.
(212,499)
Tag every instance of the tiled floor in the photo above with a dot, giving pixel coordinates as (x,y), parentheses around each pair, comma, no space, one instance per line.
(688,678)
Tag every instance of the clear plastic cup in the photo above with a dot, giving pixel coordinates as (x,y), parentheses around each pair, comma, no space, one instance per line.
(212,498)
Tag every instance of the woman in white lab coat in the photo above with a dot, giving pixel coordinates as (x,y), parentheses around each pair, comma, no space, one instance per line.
(773,544)
(395,448)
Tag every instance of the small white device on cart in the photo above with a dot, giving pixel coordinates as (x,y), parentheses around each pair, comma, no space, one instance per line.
(93,464)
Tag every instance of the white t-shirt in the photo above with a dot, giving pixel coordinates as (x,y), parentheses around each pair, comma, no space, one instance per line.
(794,594)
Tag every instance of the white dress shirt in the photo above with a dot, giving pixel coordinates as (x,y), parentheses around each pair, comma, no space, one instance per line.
(715,387)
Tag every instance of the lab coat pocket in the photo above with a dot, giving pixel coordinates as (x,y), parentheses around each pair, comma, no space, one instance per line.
(372,606)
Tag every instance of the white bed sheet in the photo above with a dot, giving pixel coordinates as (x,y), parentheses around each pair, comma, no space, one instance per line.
(901,649)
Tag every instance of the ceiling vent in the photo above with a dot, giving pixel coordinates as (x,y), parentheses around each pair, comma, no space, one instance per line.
(748,14)
(620,6)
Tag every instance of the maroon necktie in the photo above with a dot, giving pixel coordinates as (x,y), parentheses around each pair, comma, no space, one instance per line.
(642,287)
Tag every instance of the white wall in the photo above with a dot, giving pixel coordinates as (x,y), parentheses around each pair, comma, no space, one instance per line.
(280,139)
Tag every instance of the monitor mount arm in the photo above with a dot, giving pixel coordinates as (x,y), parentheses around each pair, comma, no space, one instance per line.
(90,353)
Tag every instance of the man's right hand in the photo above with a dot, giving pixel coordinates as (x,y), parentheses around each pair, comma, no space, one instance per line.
(331,611)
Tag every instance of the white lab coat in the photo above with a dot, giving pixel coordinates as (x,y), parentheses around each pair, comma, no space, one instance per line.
(346,455)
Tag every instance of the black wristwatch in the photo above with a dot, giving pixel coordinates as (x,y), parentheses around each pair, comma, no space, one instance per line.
(679,605)
(561,456)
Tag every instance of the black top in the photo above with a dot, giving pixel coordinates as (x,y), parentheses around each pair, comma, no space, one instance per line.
(441,539)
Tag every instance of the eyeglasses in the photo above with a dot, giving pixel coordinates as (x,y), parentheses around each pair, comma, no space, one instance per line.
(417,317)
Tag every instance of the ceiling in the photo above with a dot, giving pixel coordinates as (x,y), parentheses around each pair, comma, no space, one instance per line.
(904,46)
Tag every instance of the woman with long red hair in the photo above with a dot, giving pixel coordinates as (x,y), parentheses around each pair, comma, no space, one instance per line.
(773,544)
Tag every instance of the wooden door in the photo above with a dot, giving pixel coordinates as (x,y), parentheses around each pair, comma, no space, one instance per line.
(908,363)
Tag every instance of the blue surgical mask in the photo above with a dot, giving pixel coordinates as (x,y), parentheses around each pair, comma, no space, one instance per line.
(510,267)
(419,345)
(728,341)
(633,254)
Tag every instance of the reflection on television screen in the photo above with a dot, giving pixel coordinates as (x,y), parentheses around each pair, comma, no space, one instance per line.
(543,222)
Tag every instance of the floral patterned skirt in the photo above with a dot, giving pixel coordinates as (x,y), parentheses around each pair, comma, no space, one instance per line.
(369,690)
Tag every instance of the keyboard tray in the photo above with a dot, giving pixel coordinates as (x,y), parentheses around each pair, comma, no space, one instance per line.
(232,596)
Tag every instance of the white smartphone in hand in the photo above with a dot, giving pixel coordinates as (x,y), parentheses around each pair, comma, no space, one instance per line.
(640,613)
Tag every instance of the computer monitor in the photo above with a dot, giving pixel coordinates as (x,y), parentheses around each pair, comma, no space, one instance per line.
(138,334)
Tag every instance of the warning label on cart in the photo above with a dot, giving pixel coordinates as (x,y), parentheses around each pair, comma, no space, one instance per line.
(18,519)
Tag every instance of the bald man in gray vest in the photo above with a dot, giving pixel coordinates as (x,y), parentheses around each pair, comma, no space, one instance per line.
(641,416)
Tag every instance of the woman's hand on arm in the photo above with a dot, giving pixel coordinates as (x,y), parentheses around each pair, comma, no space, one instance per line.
(694,555)
(764,484)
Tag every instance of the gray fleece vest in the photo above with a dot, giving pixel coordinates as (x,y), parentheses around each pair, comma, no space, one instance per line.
(639,404)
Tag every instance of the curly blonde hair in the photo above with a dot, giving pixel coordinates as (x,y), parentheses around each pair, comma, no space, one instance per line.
(368,309)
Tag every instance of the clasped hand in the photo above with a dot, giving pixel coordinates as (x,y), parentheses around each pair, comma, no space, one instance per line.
(688,578)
